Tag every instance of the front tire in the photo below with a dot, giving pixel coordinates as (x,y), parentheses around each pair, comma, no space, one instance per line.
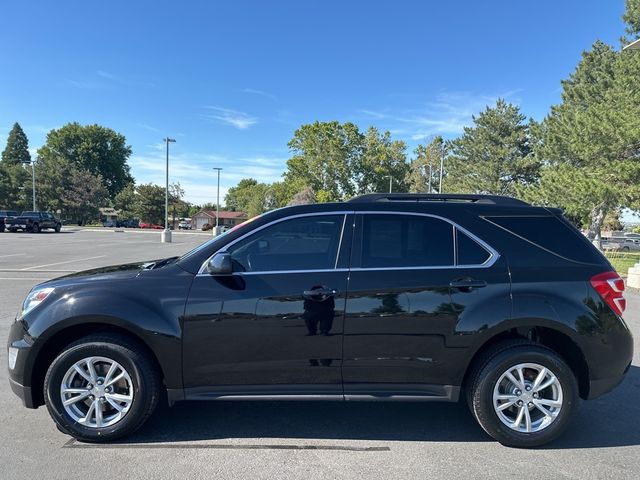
(58,227)
(101,388)
(523,395)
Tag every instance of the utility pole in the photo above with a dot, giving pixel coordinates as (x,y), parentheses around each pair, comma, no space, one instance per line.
(166,233)
(215,231)
(390,183)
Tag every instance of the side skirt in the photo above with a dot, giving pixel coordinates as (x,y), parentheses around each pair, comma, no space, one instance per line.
(378,393)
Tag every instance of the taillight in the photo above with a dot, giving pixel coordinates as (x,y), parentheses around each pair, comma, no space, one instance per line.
(610,286)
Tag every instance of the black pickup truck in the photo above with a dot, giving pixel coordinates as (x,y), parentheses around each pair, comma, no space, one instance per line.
(4,214)
(33,222)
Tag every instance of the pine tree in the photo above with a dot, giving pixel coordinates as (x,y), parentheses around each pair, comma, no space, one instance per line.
(17,149)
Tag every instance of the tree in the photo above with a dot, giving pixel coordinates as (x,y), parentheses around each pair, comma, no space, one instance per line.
(14,176)
(631,18)
(324,158)
(304,197)
(17,149)
(84,194)
(149,204)
(591,141)
(494,155)
(177,205)
(424,171)
(98,149)
(125,201)
(238,197)
(381,157)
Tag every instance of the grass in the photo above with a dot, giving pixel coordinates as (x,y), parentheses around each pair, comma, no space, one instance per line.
(621,261)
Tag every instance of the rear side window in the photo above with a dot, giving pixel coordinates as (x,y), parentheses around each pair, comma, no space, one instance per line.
(552,234)
(390,241)
(469,251)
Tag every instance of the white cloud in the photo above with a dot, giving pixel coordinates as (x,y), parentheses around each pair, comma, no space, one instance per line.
(239,120)
(195,172)
(261,93)
(447,113)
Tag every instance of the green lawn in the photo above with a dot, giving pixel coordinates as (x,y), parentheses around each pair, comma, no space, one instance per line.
(621,261)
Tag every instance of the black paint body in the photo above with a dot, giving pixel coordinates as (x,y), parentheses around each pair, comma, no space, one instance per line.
(385,334)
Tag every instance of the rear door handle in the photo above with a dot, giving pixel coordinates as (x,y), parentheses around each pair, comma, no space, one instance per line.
(467,284)
(320,292)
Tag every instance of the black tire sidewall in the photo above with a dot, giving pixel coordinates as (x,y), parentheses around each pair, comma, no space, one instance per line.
(489,375)
(122,355)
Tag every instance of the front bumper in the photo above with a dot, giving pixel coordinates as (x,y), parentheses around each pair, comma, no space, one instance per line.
(23,392)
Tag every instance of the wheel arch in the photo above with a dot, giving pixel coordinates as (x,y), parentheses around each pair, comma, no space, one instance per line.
(560,342)
(55,343)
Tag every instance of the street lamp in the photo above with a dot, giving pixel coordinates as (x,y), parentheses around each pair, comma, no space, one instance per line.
(166,233)
(215,231)
(442,153)
(33,182)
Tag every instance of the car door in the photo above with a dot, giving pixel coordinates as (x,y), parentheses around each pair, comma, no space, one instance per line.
(274,326)
(408,293)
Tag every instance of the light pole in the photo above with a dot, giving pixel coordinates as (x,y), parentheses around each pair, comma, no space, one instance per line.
(441,165)
(166,233)
(33,182)
(215,231)
(390,183)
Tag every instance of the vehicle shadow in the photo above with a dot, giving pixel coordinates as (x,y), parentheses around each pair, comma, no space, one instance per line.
(611,421)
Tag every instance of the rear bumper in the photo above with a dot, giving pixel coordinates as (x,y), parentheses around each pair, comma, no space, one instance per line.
(23,392)
(605,385)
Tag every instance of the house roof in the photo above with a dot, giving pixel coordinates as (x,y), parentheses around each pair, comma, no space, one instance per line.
(223,214)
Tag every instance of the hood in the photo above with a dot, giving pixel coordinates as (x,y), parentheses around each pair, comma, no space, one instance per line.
(112,272)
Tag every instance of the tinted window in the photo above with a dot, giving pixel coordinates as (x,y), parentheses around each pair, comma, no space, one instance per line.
(470,252)
(405,241)
(553,234)
(305,243)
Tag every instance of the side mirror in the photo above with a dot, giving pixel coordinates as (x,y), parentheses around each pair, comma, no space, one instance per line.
(220,264)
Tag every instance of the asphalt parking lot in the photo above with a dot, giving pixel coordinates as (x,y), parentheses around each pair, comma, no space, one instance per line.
(307,440)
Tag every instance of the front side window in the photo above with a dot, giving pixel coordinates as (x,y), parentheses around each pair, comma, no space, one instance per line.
(304,243)
(390,241)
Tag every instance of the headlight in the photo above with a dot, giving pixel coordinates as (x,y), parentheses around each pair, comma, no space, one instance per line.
(35,298)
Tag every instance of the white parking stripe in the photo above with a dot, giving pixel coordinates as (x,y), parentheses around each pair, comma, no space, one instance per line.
(12,255)
(60,263)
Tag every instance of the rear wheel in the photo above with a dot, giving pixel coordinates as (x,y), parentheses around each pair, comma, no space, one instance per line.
(523,395)
(58,227)
(101,388)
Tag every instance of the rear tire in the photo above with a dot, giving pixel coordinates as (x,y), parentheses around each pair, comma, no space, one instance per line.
(58,227)
(522,414)
(123,405)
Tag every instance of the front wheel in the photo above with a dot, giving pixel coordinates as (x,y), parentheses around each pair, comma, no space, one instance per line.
(101,388)
(58,227)
(524,395)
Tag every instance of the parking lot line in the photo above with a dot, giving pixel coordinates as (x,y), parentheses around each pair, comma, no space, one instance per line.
(60,263)
(12,255)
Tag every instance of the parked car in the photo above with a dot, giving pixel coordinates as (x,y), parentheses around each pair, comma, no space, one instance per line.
(630,244)
(109,223)
(386,297)
(184,225)
(33,222)
(128,223)
(153,226)
(4,214)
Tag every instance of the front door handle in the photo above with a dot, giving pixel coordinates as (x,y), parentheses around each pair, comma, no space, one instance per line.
(320,292)
(467,284)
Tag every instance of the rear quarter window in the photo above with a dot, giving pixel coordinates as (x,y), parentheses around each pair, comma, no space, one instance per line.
(550,233)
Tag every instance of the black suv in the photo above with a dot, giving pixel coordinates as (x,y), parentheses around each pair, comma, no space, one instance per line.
(385,297)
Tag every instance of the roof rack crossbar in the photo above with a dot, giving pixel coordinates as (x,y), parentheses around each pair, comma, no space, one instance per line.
(438,197)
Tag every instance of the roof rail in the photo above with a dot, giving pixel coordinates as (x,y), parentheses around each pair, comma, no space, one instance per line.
(438,197)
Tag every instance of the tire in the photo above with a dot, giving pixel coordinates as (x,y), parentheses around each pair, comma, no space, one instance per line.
(141,382)
(58,227)
(35,228)
(13,230)
(489,377)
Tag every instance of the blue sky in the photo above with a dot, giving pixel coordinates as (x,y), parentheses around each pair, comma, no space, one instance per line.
(231,81)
